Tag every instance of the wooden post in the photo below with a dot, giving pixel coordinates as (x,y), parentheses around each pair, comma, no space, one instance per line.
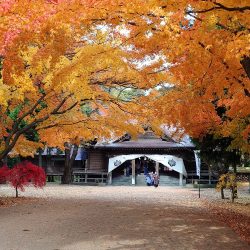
(133,172)
(110,178)
(157,168)
(86,165)
(209,176)
(180,179)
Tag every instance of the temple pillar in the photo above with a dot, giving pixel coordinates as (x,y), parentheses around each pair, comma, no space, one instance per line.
(86,165)
(157,168)
(133,172)
(180,179)
(110,178)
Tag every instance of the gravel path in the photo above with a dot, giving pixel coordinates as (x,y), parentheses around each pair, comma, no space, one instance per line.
(83,217)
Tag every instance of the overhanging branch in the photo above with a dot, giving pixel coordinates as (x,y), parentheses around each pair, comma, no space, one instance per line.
(219,6)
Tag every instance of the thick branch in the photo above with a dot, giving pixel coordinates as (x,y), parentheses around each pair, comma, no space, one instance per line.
(219,6)
(29,112)
(245,62)
(65,110)
(20,119)
(61,124)
(14,136)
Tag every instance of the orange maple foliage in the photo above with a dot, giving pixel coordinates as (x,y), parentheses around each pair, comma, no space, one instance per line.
(51,71)
(61,55)
(208,45)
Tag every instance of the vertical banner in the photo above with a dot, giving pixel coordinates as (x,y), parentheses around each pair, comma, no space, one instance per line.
(197,162)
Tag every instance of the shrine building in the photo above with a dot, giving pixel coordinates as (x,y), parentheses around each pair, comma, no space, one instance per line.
(126,160)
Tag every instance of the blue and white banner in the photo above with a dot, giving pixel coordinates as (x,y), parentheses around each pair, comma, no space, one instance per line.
(197,162)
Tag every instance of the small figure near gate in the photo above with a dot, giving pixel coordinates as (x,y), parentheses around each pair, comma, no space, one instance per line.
(148,180)
(152,179)
(145,168)
(156,180)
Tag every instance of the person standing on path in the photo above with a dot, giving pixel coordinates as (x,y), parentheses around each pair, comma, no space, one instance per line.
(156,179)
(148,180)
(145,168)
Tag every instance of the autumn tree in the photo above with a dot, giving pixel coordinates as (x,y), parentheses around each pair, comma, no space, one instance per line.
(23,174)
(215,154)
(99,49)
(4,173)
(207,43)
(49,72)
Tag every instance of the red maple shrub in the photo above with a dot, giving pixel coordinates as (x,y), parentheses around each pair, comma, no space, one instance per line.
(24,174)
(4,172)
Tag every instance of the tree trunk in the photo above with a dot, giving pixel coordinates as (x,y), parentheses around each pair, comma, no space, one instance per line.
(235,190)
(249,182)
(233,193)
(69,160)
(222,193)
(245,62)
(16,192)
(3,161)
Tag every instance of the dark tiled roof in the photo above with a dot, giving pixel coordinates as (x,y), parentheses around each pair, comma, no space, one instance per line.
(146,141)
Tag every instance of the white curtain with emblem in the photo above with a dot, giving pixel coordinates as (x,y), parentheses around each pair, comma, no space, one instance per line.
(170,161)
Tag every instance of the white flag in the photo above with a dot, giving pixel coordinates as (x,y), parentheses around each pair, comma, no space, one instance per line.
(197,162)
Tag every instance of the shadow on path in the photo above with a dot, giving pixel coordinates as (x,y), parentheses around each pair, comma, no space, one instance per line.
(94,224)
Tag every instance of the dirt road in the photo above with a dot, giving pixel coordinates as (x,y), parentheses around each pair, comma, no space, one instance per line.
(72,218)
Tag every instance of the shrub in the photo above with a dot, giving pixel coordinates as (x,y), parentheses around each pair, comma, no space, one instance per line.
(228,181)
(4,173)
(24,174)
